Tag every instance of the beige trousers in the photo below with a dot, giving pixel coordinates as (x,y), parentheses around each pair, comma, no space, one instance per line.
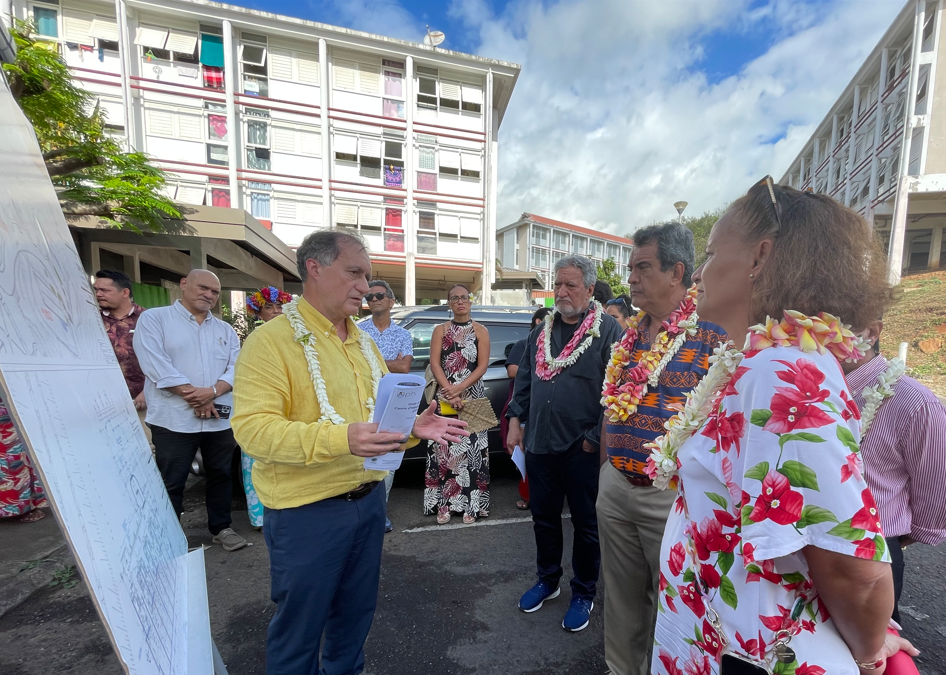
(631,523)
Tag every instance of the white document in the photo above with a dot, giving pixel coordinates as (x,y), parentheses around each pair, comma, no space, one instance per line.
(519,459)
(399,397)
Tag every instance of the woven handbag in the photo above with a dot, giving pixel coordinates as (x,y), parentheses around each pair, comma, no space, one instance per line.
(479,415)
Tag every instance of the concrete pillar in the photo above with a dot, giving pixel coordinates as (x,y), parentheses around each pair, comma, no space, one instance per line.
(125,49)
(132,268)
(408,222)
(198,255)
(231,76)
(325,75)
(936,245)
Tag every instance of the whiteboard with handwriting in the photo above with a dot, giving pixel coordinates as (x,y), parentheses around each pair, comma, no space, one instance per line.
(69,399)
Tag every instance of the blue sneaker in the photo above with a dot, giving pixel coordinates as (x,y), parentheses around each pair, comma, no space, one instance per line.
(532,599)
(388,527)
(578,615)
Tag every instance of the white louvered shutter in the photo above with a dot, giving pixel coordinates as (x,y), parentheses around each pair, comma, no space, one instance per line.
(310,213)
(450,90)
(310,143)
(346,145)
(346,214)
(344,73)
(189,193)
(284,140)
(182,42)
(77,27)
(370,217)
(472,93)
(104,28)
(307,68)
(470,228)
(280,64)
(159,123)
(190,127)
(153,38)
(369,79)
(370,147)
(449,159)
(469,162)
(286,210)
(449,224)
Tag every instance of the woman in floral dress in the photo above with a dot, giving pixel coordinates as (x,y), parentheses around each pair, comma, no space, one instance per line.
(774,529)
(21,494)
(457,477)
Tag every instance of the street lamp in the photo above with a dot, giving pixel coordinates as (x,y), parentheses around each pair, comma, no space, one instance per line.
(680,207)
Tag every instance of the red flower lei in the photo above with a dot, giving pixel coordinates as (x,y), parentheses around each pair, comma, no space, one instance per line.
(547,367)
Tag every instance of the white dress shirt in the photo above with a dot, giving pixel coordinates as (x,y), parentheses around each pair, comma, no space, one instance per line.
(173,349)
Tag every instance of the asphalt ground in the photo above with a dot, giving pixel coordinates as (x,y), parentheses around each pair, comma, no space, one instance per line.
(447,602)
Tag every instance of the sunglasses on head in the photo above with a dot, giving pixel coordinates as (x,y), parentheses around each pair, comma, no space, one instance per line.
(375,296)
(769,186)
(616,301)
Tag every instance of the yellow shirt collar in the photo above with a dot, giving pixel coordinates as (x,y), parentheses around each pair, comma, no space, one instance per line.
(314,319)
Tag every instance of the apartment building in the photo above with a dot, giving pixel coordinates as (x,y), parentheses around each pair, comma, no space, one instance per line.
(881,149)
(535,243)
(303,125)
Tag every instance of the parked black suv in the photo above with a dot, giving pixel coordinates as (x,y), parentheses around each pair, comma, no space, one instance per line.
(506,326)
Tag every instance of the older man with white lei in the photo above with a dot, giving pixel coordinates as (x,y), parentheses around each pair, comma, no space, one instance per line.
(556,398)
(304,393)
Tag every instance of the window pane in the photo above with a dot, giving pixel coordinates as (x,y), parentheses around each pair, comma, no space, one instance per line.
(217,154)
(426,159)
(393,83)
(420,339)
(427,86)
(257,133)
(217,127)
(258,159)
(426,221)
(260,205)
(46,24)
(501,336)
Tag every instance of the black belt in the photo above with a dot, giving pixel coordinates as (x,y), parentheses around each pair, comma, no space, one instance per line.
(639,481)
(359,492)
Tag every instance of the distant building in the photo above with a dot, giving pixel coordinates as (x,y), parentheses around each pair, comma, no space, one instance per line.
(302,125)
(881,149)
(534,243)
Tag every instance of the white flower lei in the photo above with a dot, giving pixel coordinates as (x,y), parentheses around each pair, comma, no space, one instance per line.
(875,395)
(699,401)
(560,364)
(307,339)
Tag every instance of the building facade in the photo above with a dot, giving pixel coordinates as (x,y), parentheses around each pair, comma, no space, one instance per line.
(881,149)
(534,243)
(302,125)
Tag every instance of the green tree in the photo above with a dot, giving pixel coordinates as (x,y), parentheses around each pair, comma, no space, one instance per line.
(91,173)
(701,226)
(607,272)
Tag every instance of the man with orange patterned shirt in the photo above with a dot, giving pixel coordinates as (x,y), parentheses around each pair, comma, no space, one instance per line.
(666,344)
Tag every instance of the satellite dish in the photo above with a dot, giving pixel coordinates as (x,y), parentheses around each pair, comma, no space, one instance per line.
(434,38)
(680,206)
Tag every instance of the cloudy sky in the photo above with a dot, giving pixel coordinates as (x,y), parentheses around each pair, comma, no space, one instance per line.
(624,107)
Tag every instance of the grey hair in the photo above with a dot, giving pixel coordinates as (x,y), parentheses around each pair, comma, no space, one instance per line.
(385,284)
(589,273)
(323,247)
(674,245)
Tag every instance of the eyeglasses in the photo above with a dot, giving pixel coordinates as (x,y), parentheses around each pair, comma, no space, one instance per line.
(375,296)
(770,187)
(459,298)
(616,301)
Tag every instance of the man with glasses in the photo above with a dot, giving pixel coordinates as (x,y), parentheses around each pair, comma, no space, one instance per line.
(394,343)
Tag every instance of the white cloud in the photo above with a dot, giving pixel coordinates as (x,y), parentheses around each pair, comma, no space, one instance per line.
(612,119)
(381,17)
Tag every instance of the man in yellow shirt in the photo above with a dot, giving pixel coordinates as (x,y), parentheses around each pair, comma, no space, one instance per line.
(304,391)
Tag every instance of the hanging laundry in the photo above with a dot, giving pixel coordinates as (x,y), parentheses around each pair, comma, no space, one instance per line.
(213,77)
(218,126)
(393,175)
(187,71)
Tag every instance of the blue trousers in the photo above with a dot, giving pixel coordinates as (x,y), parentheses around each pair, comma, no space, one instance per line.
(553,478)
(325,565)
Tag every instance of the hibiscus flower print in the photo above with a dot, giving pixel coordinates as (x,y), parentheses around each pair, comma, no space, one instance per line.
(806,378)
(692,599)
(851,411)
(852,468)
(726,430)
(778,502)
(867,517)
(791,411)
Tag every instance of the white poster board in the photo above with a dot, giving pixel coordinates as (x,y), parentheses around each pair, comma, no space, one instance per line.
(69,400)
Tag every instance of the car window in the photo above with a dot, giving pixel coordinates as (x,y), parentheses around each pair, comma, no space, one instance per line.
(420,338)
(501,335)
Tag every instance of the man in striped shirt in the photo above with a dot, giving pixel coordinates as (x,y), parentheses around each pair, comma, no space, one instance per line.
(904,457)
